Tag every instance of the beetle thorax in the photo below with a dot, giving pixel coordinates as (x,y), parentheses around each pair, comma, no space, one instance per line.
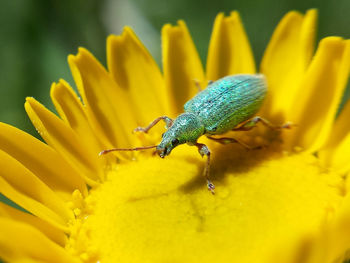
(187,127)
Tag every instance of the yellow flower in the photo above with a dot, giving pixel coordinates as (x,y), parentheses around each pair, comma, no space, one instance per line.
(285,203)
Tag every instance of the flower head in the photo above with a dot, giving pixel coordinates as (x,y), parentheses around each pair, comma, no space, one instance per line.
(287,202)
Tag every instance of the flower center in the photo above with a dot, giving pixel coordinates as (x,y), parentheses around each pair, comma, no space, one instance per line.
(159,210)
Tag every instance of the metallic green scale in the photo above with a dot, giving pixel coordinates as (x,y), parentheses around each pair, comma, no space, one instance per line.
(222,106)
(228,102)
(219,108)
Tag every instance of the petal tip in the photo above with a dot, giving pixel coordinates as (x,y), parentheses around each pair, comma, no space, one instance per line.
(71,59)
(82,52)
(63,82)
(312,16)
(111,38)
(312,11)
(53,88)
(128,30)
(234,12)
(289,18)
(30,99)
(165,29)
(332,41)
(235,15)
(220,15)
(181,23)
(30,103)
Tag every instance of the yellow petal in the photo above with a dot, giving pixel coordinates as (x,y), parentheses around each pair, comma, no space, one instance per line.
(108,108)
(229,49)
(28,242)
(55,234)
(26,183)
(336,151)
(27,260)
(315,107)
(181,65)
(41,160)
(72,112)
(62,138)
(285,61)
(338,157)
(33,206)
(134,69)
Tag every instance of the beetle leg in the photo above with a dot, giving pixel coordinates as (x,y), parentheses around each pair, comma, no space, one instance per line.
(253,122)
(204,150)
(226,140)
(168,122)
(198,84)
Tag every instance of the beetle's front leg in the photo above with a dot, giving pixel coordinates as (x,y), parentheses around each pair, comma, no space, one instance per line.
(254,121)
(168,123)
(204,150)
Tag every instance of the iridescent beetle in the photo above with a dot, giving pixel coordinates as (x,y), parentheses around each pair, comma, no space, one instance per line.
(226,104)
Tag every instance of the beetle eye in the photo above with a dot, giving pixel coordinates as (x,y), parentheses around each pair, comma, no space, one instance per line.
(175,142)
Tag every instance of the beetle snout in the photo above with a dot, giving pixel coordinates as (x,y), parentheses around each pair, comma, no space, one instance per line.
(161,152)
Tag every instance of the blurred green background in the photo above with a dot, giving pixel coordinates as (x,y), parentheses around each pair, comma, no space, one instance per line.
(37,35)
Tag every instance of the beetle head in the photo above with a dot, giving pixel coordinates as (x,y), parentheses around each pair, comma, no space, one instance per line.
(186,128)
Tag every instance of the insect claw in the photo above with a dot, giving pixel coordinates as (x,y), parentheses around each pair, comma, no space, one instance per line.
(288,125)
(211,187)
(102,153)
(235,91)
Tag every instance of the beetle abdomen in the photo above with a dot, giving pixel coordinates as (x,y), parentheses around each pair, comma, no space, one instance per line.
(228,102)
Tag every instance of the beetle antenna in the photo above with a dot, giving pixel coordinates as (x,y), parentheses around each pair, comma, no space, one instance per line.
(127,149)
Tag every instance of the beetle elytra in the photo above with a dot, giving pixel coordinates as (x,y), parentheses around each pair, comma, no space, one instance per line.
(226,104)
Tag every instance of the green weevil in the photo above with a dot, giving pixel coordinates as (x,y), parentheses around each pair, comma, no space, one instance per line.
(226,104)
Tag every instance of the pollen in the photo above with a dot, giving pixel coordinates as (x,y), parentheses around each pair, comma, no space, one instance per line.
(159,210)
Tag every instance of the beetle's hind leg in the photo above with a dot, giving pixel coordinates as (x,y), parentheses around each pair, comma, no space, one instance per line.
(204,150)
(168,122)
(226,140)
(250,124)
(198,84)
